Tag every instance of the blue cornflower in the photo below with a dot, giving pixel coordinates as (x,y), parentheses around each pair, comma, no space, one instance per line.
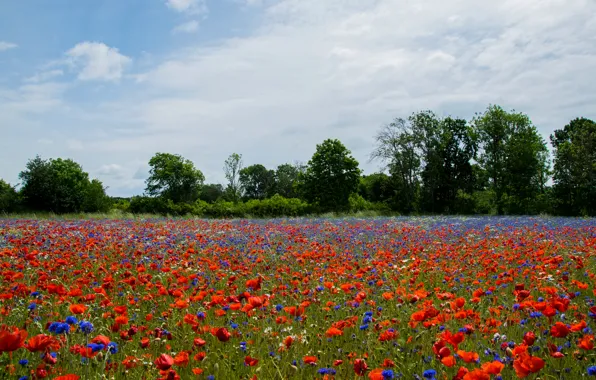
(363,327)
(86,327)
(95,347)
(210,377)
(71,320)
(278,307)
(234,325)
(201,315)
(24,378)
(32,306)
(429,374)
(326,371)
(387,374)
(592,370)
(23,362)
(113,347)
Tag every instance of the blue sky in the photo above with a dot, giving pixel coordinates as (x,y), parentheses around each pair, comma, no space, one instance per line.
(108,83)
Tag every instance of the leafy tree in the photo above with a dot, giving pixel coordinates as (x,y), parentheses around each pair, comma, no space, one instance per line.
(286,180)
(257,181)
(514,157)
(447,173)
(574,172)
(331,176)
(173,177)
(59,186)
(376,187)
(8,197)
(210,193)
(96,199)
(232,168)
(398,146)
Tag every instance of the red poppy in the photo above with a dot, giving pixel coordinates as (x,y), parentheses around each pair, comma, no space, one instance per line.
(11,339)
(360,367)
(164,362)
(222,334)
(250,361)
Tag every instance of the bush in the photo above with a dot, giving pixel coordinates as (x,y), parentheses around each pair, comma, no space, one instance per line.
(484,202)
(9,200)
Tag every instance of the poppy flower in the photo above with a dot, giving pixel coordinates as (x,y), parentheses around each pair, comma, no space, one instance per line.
(42,342)
(250,361)
(77,308)
(360,367)
(11,339)
(559,330)
(222,334)
(164,362)
(312,360)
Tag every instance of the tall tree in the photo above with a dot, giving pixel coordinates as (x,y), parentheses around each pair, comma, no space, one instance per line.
(331,176)
(257,181)
(60,186)
(8,197)
(232,168)
(286,180)
(514,157)
(173,177)
(574,172)
(448,167)
(398,147)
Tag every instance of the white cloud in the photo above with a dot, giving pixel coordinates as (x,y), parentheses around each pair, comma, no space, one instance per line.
(7,45)
(187,27)
(97,61)
(188,6)
(338,68)
(44,76)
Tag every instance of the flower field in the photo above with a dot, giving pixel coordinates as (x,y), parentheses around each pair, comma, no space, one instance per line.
(422,298)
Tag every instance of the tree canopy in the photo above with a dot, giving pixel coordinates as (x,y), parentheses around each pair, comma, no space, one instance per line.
(171,176)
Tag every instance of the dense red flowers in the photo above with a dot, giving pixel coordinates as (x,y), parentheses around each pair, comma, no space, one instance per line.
(443,298)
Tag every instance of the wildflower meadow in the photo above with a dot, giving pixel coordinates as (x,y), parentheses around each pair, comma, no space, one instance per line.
(383,298)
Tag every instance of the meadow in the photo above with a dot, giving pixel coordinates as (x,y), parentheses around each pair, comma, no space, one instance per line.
(373,298)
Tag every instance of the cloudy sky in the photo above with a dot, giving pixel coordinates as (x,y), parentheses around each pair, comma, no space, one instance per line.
(110,82)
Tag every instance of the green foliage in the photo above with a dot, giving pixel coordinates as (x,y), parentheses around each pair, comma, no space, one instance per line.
(286,180)
(8,198)
(210,193)
(257,182)
(232,168)
(61,186)
(514,156)
(331,176)
(376,188)
(574,173)
(398,147)
(173,177)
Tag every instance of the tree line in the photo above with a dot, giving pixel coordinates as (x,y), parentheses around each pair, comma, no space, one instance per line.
(495,163)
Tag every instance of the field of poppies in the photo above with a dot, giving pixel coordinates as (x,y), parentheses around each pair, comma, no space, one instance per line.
(422,298)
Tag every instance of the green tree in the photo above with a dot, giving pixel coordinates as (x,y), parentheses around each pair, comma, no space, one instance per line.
(376,187)
(574,172)
(8,197)
(58,185)
(232,168)
(398,147)
(447,171)
(257,181)
(210,193)
(514,156)
(286,180)
(173,177)
(331,176)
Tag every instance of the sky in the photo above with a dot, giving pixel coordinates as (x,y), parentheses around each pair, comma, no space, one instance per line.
(108,83)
